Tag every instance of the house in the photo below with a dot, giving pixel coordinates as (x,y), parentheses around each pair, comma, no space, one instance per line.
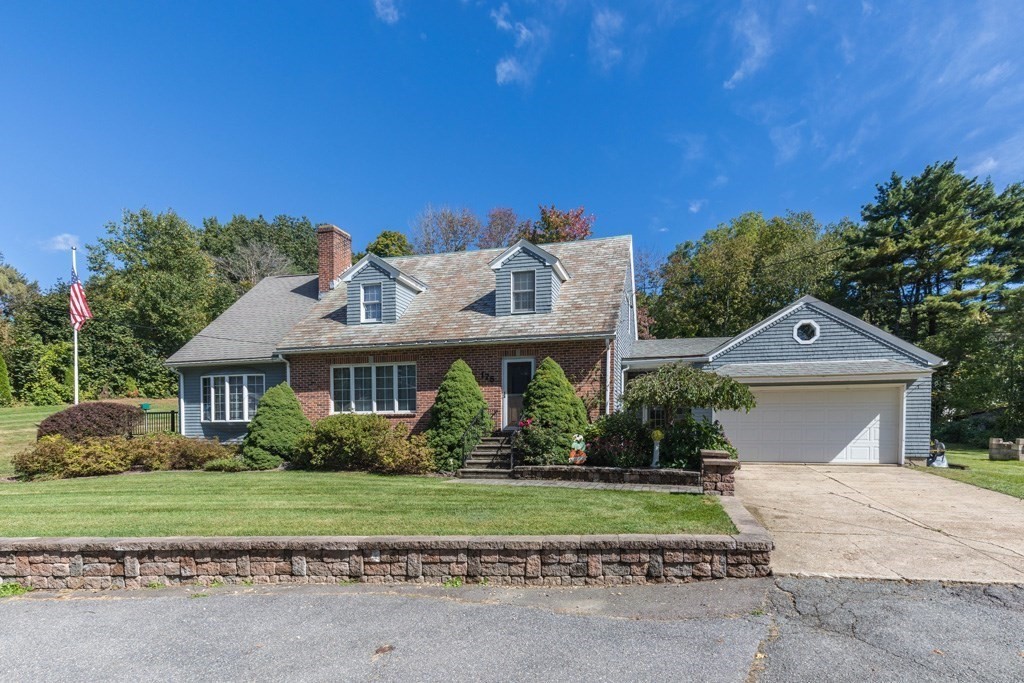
(378,336)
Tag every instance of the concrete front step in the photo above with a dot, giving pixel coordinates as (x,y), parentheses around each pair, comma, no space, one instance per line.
(477,463)
(483,473)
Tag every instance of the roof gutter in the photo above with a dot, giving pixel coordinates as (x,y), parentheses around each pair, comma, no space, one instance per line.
(287,368)
(232,361)
(481,341)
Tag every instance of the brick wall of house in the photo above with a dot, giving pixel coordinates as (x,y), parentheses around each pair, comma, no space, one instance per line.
(582,360)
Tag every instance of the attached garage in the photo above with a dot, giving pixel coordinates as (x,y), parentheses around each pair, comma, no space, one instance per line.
(851,424)
(830,388)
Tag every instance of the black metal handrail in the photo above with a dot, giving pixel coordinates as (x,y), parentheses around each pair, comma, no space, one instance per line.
(474,423)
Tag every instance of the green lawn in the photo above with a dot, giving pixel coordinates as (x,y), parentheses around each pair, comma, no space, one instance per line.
(1005,476)
(18,426)
(319,503)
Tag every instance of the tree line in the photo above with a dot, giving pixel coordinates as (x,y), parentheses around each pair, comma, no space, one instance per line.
(156,281)
(936,259)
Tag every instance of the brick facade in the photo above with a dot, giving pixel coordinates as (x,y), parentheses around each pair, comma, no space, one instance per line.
(582,360)
(334,249)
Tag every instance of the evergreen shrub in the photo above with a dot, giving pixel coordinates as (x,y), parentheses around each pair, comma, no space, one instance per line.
(276,429)
(459,400)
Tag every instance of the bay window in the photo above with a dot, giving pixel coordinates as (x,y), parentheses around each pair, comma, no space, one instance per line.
(230,398)
(389,388)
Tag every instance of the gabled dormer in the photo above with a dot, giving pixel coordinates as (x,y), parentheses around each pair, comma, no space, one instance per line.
(527,279)
(378,292)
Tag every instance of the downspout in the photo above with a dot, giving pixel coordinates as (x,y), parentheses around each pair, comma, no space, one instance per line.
(607,376)
(181,402)
(287,369)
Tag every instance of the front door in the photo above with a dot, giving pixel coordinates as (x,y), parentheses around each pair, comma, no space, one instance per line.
(517,374)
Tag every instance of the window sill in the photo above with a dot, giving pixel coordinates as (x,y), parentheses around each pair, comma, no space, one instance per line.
(402,413)
(224,422)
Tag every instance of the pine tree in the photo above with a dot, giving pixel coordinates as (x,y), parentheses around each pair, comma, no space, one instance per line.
(275,431)
(459,400)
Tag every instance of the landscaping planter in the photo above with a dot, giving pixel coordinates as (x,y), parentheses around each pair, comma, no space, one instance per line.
(609,475)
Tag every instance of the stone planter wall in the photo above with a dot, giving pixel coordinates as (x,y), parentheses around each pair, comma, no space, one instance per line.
(545,560)
(1005,450)
(609,475)
(718,473)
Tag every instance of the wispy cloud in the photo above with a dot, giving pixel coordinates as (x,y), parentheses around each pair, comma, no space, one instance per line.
(531,39)
(787,141)
(386,11)
(62,242)
(1005,159)
(720,180)
(605,30)
(749,30)
(997,74)
(692,144)
(696,205)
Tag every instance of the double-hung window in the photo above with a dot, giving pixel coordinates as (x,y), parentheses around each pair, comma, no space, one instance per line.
(372,309)
(374,388)
(230,398)
(524,291)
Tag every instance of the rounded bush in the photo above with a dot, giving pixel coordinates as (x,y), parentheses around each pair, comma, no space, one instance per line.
(363,442)
(687,437)
(93,419)
(458,402)
(276,430)
(551,404)
(619,440)
(225,465)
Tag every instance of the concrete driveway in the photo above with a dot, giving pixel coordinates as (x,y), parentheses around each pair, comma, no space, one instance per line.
(884,522)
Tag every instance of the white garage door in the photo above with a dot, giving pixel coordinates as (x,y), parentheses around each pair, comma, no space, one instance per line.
(855,424)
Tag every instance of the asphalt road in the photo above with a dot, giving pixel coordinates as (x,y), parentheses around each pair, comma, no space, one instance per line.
(746,630)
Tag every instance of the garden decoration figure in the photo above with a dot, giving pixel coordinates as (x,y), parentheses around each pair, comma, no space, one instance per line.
(578,452)
(657,435)
(937,454)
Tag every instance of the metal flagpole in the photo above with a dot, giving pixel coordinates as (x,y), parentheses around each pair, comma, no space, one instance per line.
(74,268)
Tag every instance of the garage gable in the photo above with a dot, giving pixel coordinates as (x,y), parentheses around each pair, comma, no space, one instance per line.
(811,330)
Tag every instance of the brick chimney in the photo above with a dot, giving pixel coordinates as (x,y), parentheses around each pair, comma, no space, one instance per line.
(334,254)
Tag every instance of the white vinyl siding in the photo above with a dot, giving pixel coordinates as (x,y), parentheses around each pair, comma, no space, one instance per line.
(524,291)
(230,398)
(389,388)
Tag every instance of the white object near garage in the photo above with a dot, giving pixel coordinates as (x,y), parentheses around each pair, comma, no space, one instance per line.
(838,424)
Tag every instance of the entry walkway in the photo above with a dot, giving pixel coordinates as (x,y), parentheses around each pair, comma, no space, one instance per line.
(884,522)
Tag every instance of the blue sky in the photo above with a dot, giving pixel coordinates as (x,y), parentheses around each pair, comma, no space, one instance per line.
(662,118)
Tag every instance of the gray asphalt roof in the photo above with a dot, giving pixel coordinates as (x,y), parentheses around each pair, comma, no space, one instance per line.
(459,302)
(818,368)
(254,325)
(674,348)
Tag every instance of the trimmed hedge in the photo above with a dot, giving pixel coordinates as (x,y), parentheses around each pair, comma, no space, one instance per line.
(363,442)
(276,430)
(60,458)
(459,400)
(93,419)
(553,413)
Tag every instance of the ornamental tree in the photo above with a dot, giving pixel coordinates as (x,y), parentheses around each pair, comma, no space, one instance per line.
(680,387)
(551,407)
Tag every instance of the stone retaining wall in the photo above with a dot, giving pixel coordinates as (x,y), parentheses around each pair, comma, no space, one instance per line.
(718,473)
(1005,450)
(609,475)
(545,560)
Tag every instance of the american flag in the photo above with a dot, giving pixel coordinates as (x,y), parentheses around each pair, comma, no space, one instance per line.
(79,306)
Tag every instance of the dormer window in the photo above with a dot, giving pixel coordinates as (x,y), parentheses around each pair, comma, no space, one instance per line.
(524,291)
(371,302)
